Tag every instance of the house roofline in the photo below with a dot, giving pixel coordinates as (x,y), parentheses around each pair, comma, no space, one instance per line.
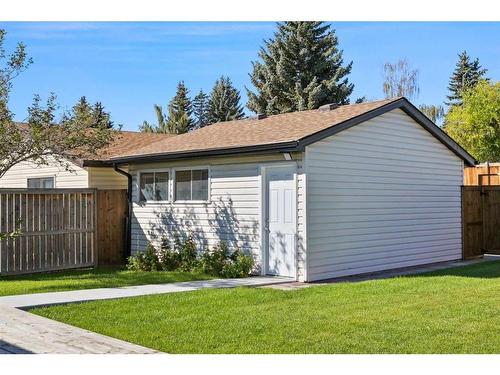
(256,149)
(300,145)
(412,111)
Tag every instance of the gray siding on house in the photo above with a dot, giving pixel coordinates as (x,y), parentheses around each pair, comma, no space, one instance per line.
(383,194)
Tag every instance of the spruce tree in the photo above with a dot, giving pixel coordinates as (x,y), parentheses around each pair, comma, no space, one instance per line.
(101,117)
(300,68)
(200,110)
(179,111)
(82,111)
(465,77)
(224,103)
(91,116)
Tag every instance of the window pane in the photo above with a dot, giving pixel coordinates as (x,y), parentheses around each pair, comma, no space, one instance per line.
(41,183)
(161,186)
(183,185)
(200,185)
(48,183)
(33,183)
(147,186)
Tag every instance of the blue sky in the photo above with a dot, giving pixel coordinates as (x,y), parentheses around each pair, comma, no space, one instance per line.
(131,66)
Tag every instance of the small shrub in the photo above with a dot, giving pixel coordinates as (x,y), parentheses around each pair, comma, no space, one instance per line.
(218,262)
(188,255)
(183,256)
(212,261)
(145,261)
(169,258)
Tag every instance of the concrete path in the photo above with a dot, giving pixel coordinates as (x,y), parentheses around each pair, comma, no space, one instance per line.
(22,332)
(57,298)
(25,333)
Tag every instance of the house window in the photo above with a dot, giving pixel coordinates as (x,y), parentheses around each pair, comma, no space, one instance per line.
(154,186)
(41,183)
(191,185)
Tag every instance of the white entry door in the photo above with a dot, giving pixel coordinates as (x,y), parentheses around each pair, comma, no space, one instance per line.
(281,221)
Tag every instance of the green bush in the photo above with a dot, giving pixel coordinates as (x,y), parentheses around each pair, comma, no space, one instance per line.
(188,255)
(145,261)
(169,258)
(183,256)
(240,265)
(212,261)
(218,262)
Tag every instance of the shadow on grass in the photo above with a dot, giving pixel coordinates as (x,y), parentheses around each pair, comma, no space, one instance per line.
(89,279)
(107,271)
(483,270)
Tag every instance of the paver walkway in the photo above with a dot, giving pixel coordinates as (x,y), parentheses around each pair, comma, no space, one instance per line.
(22,332)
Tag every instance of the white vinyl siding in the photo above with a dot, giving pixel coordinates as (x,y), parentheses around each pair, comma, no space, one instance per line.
(17,176)
(301,221)
(383,194)
(232,215)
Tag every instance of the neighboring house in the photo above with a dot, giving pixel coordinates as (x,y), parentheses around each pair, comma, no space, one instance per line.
(56,175)
(312,195)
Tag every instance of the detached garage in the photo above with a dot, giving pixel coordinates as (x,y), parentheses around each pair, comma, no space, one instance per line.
(313,194)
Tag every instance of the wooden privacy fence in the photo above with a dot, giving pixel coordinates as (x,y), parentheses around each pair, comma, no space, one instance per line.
(485,174)
(480,220)
(61,228)
(112,216)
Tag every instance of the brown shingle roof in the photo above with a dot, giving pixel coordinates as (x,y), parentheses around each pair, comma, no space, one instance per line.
(275,129)
(127,142)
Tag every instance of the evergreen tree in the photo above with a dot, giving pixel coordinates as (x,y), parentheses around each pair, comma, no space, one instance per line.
(179,111)
(224,102)
(91,116)
(101,117)
(300,68)
(466,76)
(200,110)
(82,111)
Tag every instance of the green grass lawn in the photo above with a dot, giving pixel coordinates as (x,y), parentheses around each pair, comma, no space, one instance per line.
(450,311)
(87,279)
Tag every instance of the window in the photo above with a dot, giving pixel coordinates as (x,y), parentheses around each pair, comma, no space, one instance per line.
(154,186)
(191,185)
(41,183)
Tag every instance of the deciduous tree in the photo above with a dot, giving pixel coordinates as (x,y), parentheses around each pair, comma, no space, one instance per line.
(400,80)
(43,138)
(475,124)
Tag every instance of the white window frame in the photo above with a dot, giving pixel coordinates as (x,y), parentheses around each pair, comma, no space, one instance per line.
(191,168)
(156,170)
(53,176)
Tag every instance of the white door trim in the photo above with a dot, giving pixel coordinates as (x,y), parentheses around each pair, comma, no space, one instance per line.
(264,213)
